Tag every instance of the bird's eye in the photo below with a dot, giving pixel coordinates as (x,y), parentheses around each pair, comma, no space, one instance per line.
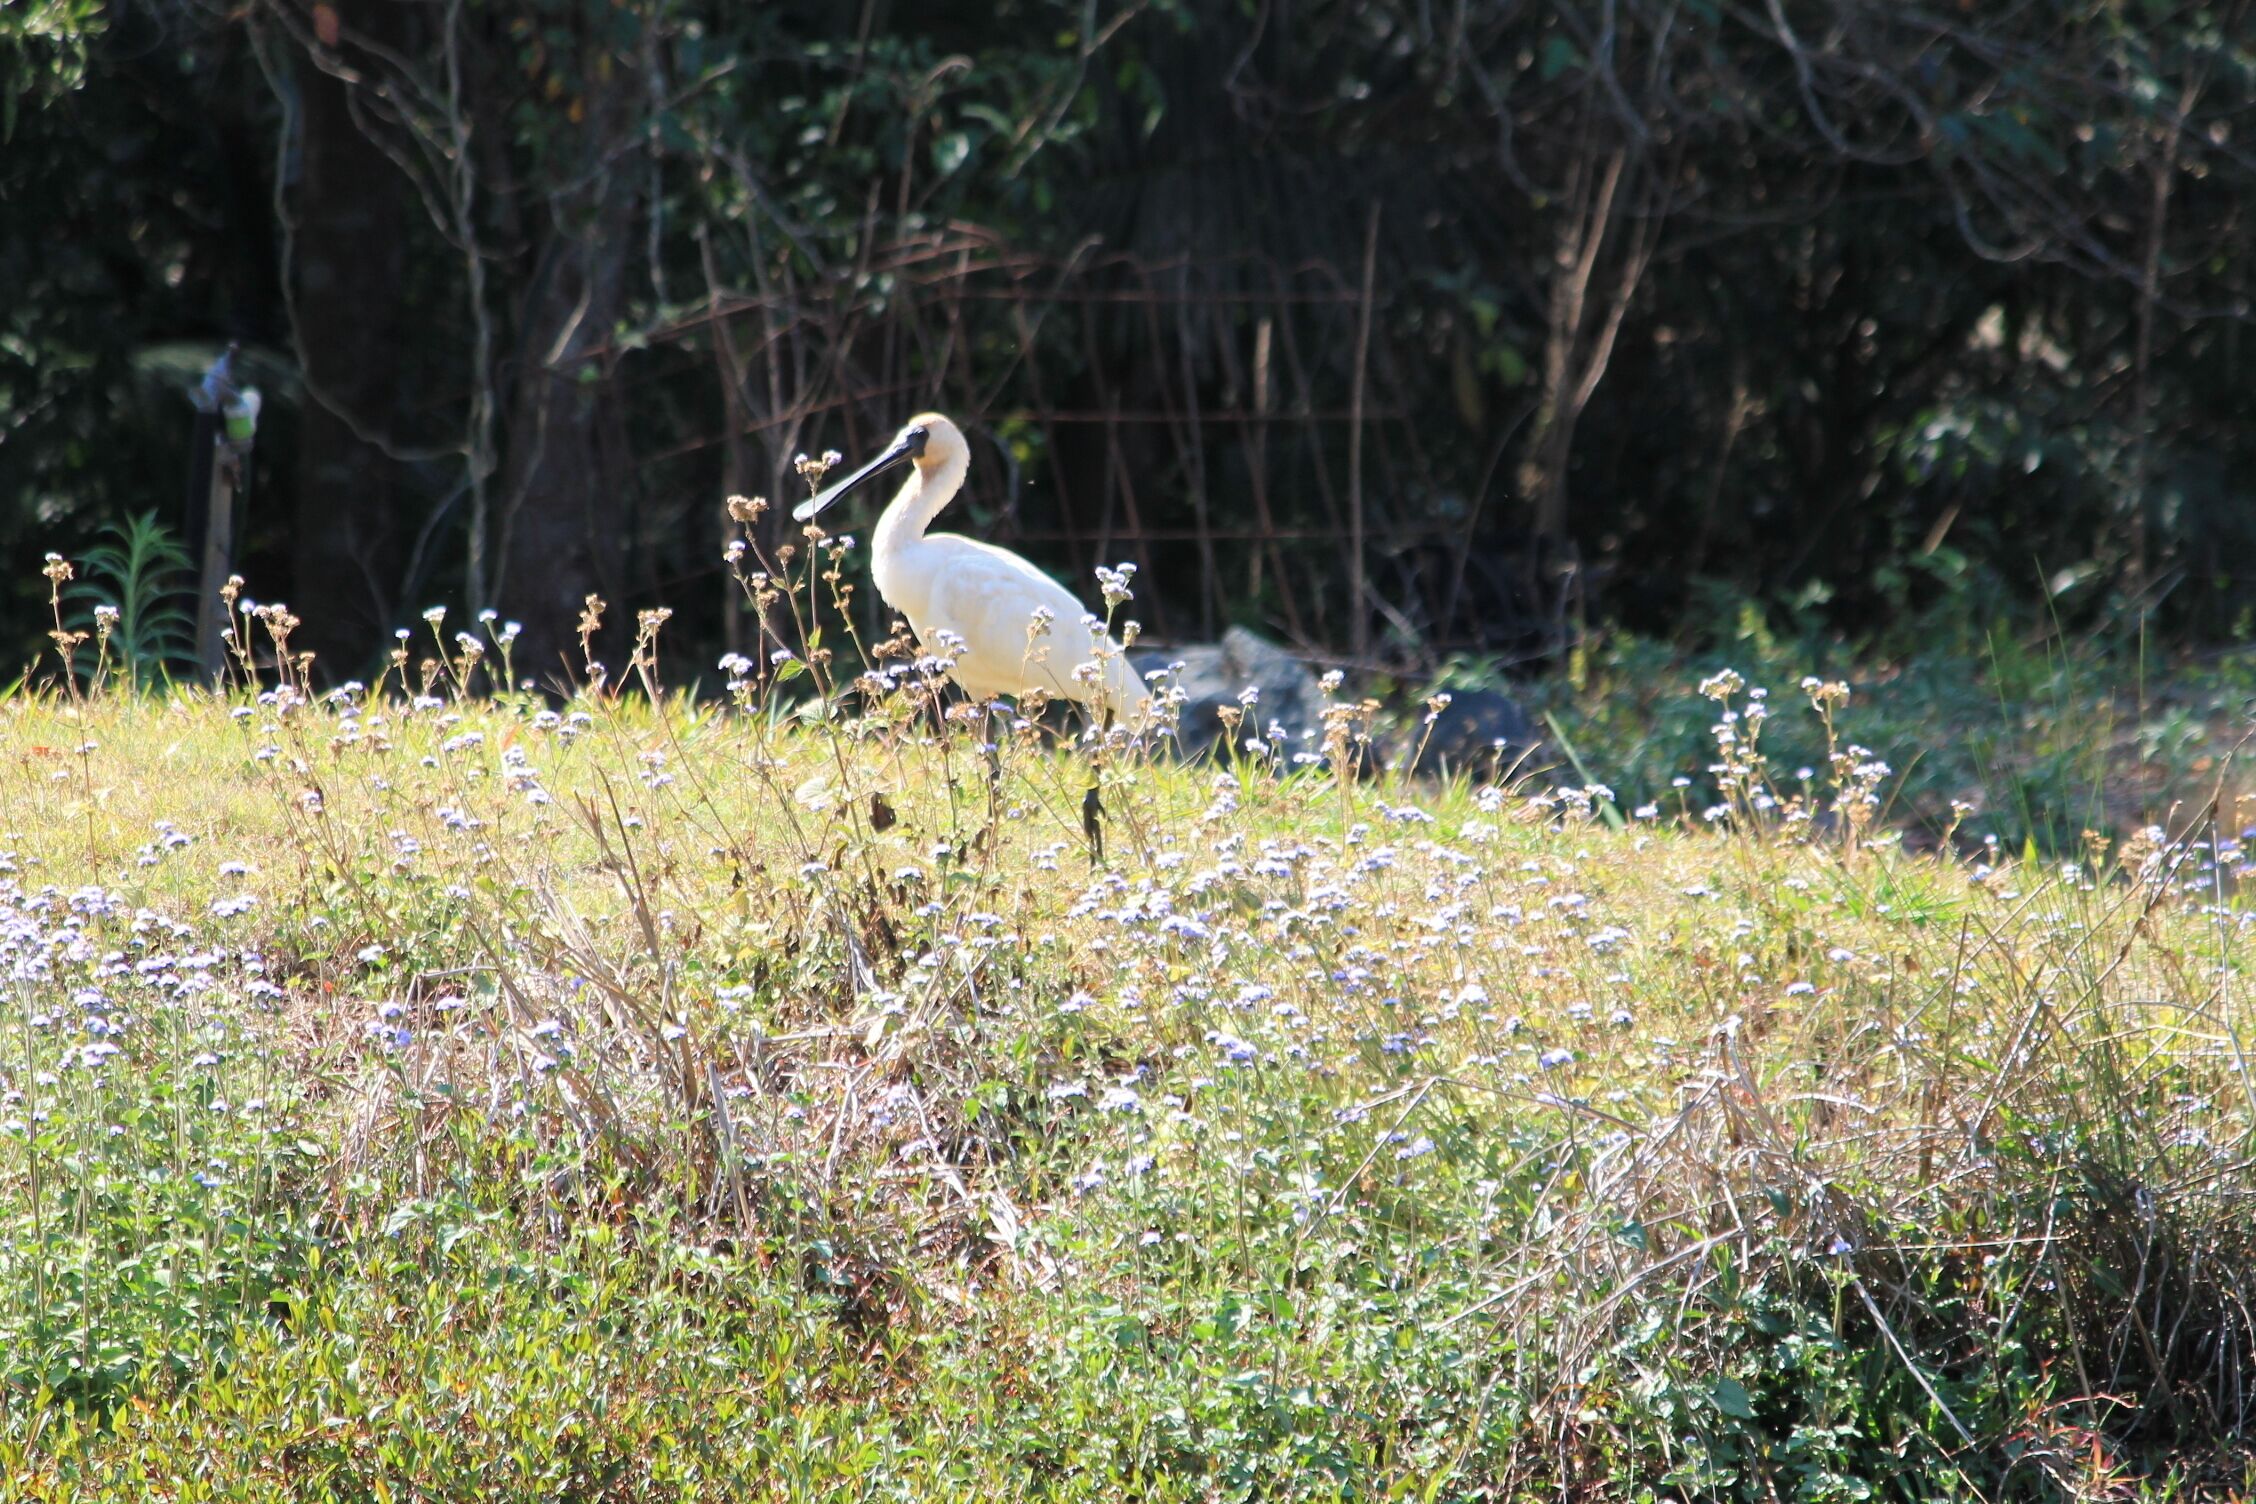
(916,438)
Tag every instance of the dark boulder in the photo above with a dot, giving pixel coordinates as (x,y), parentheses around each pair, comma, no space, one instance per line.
(1473,731)
(1212,677)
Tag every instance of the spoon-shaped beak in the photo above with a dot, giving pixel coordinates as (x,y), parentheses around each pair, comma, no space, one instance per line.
(907,447)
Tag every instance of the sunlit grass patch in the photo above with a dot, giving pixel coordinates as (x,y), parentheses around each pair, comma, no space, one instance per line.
(672,1097)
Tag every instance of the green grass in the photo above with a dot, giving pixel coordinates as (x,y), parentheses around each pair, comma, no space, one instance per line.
(740,1102)
(2043,734)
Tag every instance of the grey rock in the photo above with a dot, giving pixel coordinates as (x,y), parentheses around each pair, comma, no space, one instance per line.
(1213,675)
(1469,733)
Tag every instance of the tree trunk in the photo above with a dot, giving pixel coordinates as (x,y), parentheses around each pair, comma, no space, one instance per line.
(348,278)
(564,524)
(1542,471)
(1582,327)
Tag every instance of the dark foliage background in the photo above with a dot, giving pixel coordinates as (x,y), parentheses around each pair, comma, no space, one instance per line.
(1839,304)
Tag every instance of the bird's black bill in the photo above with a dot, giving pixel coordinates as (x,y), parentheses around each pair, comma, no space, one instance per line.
(907,447)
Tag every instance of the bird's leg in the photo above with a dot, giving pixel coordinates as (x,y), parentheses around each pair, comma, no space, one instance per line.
(989,746)
(983,735)
(1092,824)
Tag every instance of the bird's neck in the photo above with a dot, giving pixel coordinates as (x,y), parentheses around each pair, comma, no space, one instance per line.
(915,505)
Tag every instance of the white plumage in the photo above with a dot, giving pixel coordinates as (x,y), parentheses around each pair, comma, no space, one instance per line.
(1019,629)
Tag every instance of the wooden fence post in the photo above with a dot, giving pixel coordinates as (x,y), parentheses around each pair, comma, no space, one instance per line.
(219,551)
(230,415)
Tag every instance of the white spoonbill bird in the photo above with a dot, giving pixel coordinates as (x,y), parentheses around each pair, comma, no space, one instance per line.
(1020,629)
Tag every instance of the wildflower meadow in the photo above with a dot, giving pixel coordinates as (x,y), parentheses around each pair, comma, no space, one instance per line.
(821,1087)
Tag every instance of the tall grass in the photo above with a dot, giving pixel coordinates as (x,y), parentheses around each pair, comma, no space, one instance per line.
(427,1090)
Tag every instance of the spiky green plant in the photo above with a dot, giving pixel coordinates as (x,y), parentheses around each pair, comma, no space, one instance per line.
(142,570)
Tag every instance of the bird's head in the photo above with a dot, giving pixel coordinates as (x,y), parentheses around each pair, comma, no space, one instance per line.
(929,441)
(940,442)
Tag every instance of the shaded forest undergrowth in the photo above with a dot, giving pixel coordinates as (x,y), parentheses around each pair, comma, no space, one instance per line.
(405,1093)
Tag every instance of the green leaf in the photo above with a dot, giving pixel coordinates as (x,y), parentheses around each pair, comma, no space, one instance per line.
(1510,366)
(1732,1399)
(1559,55)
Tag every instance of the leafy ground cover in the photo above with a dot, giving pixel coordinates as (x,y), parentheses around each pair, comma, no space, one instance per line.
(410,1094)
(2042,733)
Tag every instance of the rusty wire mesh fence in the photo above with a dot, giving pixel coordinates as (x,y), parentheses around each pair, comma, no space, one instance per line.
(1241,430)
